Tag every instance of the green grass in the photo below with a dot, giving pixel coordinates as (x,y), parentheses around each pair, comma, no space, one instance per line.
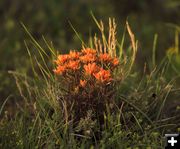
(146,106)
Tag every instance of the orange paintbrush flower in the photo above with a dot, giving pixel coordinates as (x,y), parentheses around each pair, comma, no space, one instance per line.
(91,68)
(74,55)
(88,58)
(62,59)
(74,65)
(105,57)
(89,51)
(115,61)
(59,70)
(103,75)
(83,83)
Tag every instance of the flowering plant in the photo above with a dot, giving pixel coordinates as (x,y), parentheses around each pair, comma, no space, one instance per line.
(91,76)
(88,77)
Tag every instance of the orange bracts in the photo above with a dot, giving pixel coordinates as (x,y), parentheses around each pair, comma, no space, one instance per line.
(73,55)
(87,62)
(115,62)
(88,58)
(60,70)
(104,57)
(83,83)
(103,75)
(74,65)
(62,59)
(89,51)
(91,68)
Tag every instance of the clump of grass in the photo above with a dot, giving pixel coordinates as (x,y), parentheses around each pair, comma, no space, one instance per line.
(94,99)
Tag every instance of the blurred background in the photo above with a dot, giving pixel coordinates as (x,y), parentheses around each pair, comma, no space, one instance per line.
(50,19)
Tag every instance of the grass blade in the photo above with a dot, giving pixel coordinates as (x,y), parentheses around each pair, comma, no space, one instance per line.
(4,103)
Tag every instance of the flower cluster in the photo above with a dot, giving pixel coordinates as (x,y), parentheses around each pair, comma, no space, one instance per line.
(89,63)
(87,77)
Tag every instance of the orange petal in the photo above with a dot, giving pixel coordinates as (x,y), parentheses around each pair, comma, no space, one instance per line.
(83,83)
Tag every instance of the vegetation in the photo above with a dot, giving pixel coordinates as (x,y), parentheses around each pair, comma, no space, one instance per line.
(95,100)
(103,91)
